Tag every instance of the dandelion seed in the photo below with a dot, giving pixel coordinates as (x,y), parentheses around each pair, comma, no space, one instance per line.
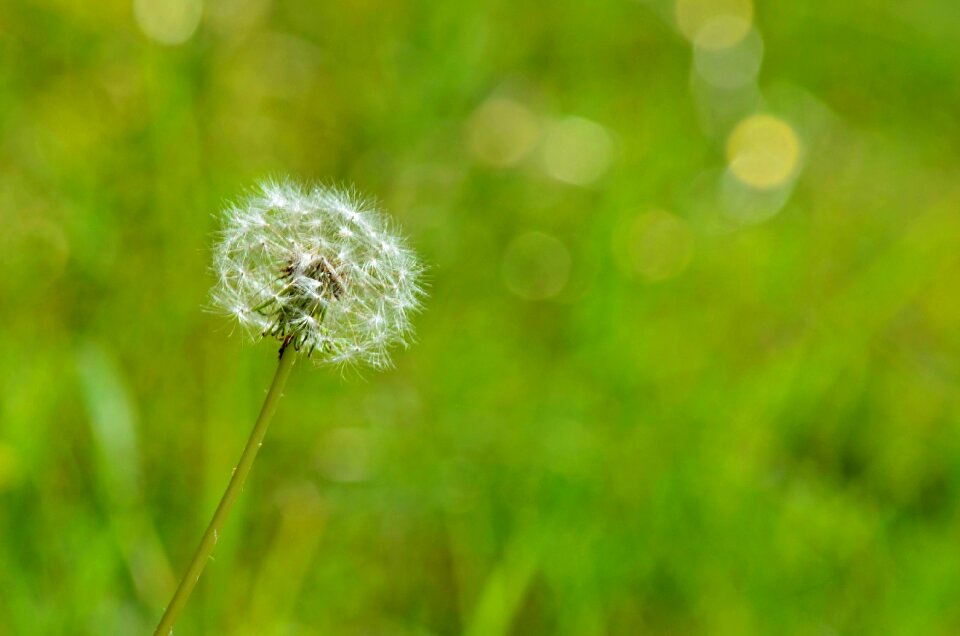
(318,269)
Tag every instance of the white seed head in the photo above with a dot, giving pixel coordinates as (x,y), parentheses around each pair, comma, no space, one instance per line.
(319,269)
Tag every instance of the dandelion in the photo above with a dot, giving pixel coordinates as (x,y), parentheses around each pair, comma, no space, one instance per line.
(325,274)
(320,270)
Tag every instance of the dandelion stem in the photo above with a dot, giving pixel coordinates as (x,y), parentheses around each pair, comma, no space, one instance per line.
(210,537)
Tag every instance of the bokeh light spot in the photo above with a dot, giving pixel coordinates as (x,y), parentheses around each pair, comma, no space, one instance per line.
(748,205)
(577,151)
(168,21)
(655,245)
(536,266)
(763,151)
(714,24)
(731,67)
(501,132)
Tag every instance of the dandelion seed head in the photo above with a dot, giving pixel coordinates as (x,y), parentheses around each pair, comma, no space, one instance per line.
(319,269)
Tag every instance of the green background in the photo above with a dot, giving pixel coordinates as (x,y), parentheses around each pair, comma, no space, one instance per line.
(738,422)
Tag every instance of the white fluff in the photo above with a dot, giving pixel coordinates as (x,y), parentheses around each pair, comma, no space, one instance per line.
(319,269)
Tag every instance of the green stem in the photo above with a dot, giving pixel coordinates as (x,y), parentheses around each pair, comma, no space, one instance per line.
(192,575)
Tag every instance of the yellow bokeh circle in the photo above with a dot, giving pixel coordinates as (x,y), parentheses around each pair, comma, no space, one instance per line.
(763,151)
(714,24)
(501,132)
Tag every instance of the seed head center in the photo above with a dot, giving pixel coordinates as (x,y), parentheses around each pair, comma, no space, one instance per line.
(320,269)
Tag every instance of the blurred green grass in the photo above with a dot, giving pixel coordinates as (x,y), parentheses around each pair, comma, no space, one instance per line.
(646,399)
